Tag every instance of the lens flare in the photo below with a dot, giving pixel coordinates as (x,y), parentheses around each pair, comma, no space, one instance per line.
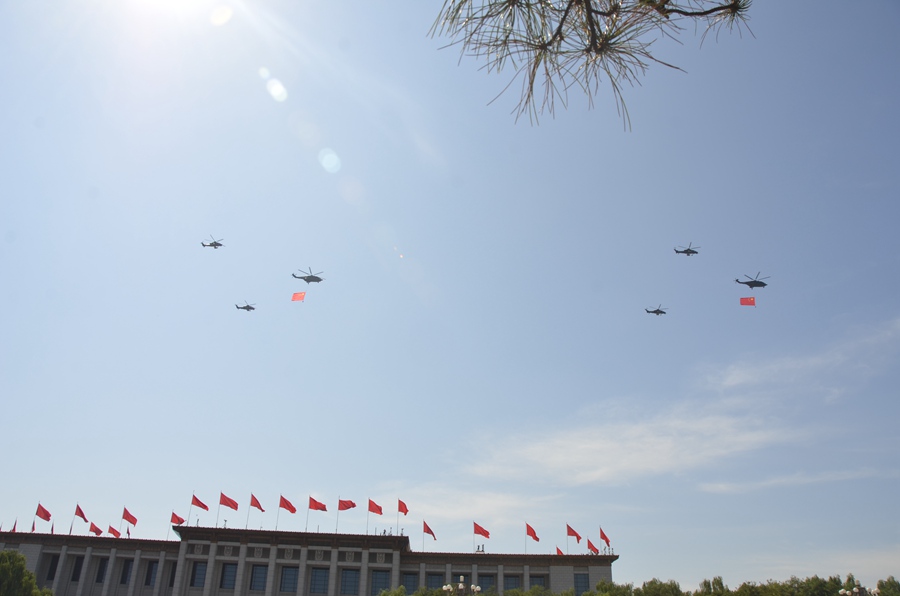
(276,90)
(221,14)
(331,163)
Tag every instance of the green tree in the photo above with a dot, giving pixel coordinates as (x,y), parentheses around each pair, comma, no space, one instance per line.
(559,44)
(888,587)
(15,579)
(715,587)
(655,587)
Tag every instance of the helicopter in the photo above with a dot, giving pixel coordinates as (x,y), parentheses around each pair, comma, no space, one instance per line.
(214,244)
(659,310)
(690,250)
(309,277)
(755,282)
(248,307)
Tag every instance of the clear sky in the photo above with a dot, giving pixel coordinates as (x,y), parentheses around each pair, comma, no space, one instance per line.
(479,346)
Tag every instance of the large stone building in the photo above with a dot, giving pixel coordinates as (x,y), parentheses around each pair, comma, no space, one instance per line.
(227,562)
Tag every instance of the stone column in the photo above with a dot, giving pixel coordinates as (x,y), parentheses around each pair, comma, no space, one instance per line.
(210,570)
(180,570)
(241,564)
(110,571)
(60,567)
(270,573)
(85,566)
(160,573)
(301,576)
(135,572)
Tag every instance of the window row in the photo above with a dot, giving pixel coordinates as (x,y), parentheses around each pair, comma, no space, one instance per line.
(486,581)
(102,565)
(289,577)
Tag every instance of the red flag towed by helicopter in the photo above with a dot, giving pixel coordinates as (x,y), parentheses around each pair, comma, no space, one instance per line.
(298,297)
(750,301)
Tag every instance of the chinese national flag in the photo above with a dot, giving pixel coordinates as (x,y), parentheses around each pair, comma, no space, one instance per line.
(177,519)
(428,530)
(374,507)
(254,502)
(481,531)
(559,552)
(198,503)
(95,529)
(285,504)
(126,515)
(345,504)
(571,532)
(593,548)
(228,502)
(42,513)
(298,296)
(114,532)
(604,537)
(80,513)
(401,507)
(316,505)
(750,301)
(530,531)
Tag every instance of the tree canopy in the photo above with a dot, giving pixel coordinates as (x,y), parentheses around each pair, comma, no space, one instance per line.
(559,44)
(15,579)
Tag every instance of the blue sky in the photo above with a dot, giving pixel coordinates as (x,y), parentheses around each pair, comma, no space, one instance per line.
(479,347)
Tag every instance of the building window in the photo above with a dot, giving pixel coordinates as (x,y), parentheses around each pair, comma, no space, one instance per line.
(487,582)
(51,570)
(318,581)
(511,582)
(101,570)
(289,577)
(198,574)
(538,580)
(381,580)
(172,574)
(76,569)
(150,576)
(350,581)
(127,564)
(434,581)
(582,583)
(229,573)
(410,581)
(258,577)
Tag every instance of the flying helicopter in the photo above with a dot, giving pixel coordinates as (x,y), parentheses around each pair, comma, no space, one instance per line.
(248,307)
(659,310)
(214,244)
(755,282)
(309,277)
(690,250)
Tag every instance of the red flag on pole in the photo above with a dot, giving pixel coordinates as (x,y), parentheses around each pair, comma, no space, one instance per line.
(749,301)
(530,531)
(298,296)
(571,532)
(177,519)
(604,537)
(15,523)
(481,531)
(114,532)
(285,504)
(126,515)
(401,507)
(198,503)
(228,502)
(32,526)
(345,504)
(374,507)
(42,513)
(254,502)
(559,552)
(425,529)
(95,529)
(80,513)
(593,548)
(316,505)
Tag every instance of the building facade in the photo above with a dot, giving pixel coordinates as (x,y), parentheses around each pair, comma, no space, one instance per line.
(229,562)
